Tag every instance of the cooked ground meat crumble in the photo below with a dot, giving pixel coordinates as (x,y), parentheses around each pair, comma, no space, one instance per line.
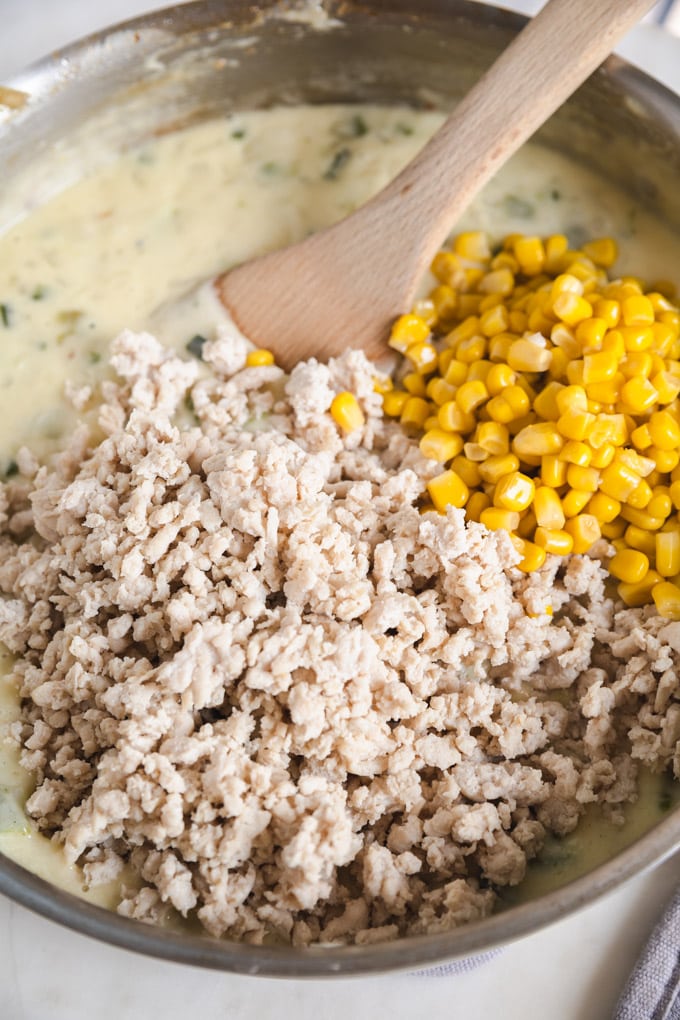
(254,673)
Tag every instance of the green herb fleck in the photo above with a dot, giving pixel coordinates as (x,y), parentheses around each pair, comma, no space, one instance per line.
(271,168)
(665,801)
(39,293)
(357,126)
(94,357)
(516,206)
(195,346)
(11,469)
(337,164)
(238,133)
(189,403)
(403,129)
(556,194)
(5,315)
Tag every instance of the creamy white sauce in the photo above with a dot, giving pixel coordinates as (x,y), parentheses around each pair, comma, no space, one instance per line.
(120,247)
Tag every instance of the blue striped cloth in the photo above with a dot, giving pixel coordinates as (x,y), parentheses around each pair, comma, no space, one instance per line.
(653,989)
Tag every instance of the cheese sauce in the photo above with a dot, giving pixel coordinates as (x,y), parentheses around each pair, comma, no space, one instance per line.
(119,248)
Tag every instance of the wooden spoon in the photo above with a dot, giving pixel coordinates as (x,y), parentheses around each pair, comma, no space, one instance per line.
(343,286)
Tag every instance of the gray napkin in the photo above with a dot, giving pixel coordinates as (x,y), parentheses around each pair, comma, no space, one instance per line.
(653,989)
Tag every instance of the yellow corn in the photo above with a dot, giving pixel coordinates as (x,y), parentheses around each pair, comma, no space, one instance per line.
(585,478)
(514,491)
(436,444)
(618,481)
(406,331)
(423,356)
(638,594)
(448,489)
(527,356)
(415,413)
(574,501)
(668,552)
(495,467)
(470,395)
(497,518)
(554,540)
(555,402)
(603,507)
(537,440)
(493,437)
(548,508)
(346,412)
(259,358)
(667,600)
(584,530)
(533,556)
(629,565)
(477,502)
(467,470)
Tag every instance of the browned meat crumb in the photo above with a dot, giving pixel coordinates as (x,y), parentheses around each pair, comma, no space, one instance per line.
(252,671)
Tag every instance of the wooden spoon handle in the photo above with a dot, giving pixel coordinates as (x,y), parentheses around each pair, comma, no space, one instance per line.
(541,68)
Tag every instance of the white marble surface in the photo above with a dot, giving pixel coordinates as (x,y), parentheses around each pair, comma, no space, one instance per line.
(572,970)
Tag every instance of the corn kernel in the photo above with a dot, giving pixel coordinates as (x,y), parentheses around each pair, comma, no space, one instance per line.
(448,268)
(393,402)
(475,452)
(538,440)
(667,600)
(425,310)
(533,556)
(472,244)
(554,471)
(514,491)
(599,367)
(479,371)
(641,437)
(590,334)
(495,467)
(667,386)
(603,456)
(641,519)
(608,310)
(415,413)
(571,308)
(603,507)
(554,540)
(259,358)
(640,496)
(452,419)
(499,378)
(545,404)
(577,453)
(575,424)
(575,500)
(639,538)
(618,481)
(477,502)
(472,349)
(440,391)
(584,530)
(414,383)
(637,338)
(664,430)
(408,330)
(456,372)
(635,595)
(548,508)
(629,565)
(615,530)
(602,251)
(637,311)
(668,552)
(467,470)
(444,299)
(525,355)
(439,445)
(493,437)
(470,395)
(423,356)
(498,281)
(346,412)
(495,320)
(448,489)
(585,478)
